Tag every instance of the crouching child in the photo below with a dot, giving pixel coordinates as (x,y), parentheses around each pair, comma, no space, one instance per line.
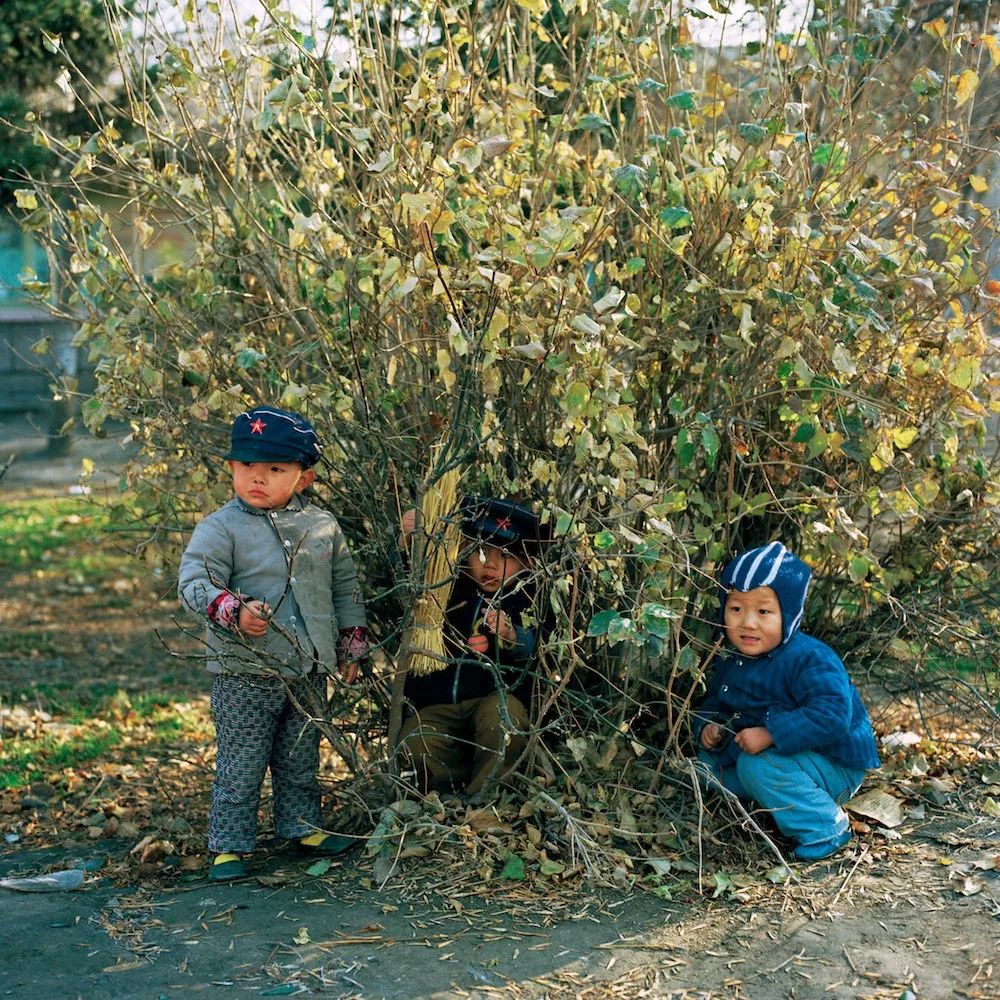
(467,722)
(781,723)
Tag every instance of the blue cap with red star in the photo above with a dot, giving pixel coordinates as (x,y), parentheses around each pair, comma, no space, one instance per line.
(267,434)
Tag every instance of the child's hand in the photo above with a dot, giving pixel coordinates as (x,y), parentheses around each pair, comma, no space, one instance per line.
(479,643)
(407,525)
(254,617)
(352,648)
(499,623)
(711,736)
(754,739)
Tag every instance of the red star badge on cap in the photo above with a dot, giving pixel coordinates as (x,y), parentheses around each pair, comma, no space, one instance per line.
(257,427)
(503,524)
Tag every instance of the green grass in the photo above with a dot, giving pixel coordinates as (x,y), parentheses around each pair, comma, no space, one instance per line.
(24,761)
(57,534)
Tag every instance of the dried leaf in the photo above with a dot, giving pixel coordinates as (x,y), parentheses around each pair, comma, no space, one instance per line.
(879,805)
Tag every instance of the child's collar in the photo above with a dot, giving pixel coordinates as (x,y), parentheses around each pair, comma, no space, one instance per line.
(297,502)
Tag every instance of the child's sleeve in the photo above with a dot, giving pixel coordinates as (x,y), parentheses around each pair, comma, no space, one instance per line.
(205,570)
(707,709)
(824,714)
(348,604)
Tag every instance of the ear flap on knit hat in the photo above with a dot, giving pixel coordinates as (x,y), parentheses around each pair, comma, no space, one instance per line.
(773,566)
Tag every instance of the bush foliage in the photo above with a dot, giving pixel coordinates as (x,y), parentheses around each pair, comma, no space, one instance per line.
(684,301)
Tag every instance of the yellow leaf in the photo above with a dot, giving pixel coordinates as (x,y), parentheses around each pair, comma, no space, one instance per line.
(965,374)
(993,46)
(978,184)
(444,366)
(535,7)
(26,199)
(937,27)
(903,437)
(968,81)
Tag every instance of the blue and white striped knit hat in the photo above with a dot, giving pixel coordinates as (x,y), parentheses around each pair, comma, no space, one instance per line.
(775,567)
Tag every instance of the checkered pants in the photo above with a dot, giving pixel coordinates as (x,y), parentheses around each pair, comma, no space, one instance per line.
(257,727)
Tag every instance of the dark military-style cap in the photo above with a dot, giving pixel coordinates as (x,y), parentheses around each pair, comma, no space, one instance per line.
(267,434)
(500,522)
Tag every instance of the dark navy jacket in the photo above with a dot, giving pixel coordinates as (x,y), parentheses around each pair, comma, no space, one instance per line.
(474,675)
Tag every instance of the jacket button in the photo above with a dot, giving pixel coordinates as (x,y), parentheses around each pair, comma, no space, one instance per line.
(292,620)
(291,579)
(725,687)
(288,544)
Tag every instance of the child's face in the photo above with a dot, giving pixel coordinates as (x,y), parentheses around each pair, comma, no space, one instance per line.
(753,620)
(490,567)
(269,485)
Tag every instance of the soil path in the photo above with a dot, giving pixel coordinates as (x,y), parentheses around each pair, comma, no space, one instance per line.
(857,928)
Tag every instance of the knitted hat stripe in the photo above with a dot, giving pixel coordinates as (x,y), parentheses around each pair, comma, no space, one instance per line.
(790,629)
(749,581)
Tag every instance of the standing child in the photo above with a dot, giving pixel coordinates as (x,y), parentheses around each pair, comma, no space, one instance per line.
(468,720)
(273,576)
(781,723)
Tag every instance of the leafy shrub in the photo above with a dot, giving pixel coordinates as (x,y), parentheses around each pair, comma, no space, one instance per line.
(685,306)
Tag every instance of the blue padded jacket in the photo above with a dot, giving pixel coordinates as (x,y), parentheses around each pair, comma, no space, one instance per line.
(800,690)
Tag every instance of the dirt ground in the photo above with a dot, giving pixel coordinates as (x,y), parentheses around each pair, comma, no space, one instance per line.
(912,912)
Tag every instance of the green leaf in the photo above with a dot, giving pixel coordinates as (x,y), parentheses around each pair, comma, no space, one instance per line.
(830,154)
(710,442)
(603,540)
(648,85)
(635,265)
(248,357)
(590,122)
(683,100)
(630,179)
(550,867)
(513,868)
(576,398)
(320,868)
(600,623)
(685,448)
(675,218)
(752,133)
(858,569)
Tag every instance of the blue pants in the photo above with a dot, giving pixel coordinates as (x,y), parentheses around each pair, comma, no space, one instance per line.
(803,791)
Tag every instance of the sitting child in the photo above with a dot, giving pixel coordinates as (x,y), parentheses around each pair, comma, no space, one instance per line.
(272,577)
(781,723)
(468,719)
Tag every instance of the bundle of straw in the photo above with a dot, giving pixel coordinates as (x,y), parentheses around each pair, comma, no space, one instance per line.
(443,533)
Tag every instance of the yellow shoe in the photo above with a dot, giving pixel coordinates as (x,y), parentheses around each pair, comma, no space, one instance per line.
(329,844)
(226,867)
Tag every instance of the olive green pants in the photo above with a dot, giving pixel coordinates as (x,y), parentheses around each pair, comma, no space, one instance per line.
(459,747)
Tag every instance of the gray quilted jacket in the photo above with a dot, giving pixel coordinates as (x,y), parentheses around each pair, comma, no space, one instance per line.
(296,559)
